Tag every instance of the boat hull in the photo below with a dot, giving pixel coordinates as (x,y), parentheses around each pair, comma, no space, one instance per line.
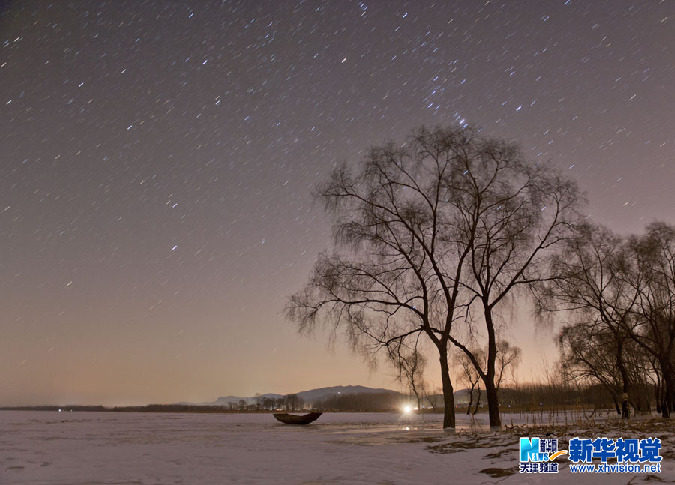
(297,418)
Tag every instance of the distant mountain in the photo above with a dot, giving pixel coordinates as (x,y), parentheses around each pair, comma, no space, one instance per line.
(462,396)
(226,400)
(316,395)
(322,393)
(308,397)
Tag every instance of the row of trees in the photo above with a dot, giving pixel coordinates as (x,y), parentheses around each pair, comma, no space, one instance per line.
(289,402)
(620,294)
(371,401)
(434,239)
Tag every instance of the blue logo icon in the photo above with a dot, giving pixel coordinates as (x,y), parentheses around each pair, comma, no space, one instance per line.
(537,455)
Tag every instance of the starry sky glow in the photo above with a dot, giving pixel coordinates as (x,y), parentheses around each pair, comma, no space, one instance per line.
(157,160)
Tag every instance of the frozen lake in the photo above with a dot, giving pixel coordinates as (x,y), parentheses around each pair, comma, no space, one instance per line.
(166,448)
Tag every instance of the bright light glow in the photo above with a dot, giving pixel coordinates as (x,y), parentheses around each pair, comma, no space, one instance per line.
(407,409)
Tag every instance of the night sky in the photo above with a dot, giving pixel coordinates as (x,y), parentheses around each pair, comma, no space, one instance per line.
(157,160)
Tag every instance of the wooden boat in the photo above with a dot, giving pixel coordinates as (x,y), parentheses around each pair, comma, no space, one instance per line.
(297,418)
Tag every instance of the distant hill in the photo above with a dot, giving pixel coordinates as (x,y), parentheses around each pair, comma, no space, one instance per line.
(308,397)
(462,396)
(226,400)
(328,392)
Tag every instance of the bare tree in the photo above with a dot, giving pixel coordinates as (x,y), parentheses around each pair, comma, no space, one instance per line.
(400,267)
(622,295)
(514,215)
(588,356)
(649,268)
(470,376)
(410,363)
(590,287)
(293,402)
(508,358)
(424,232)
(432,398)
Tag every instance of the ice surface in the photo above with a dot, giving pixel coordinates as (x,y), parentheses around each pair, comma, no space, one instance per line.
(165,448)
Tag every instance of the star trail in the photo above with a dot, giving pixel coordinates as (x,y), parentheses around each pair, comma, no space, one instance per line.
(157,160)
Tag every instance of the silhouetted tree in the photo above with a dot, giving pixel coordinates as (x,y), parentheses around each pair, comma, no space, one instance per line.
(470,376)
(588,356)
(508,358)
(649,267)
(621,292)
(293,402)
(424,232)
(410,364)
(590,286)
(514,215)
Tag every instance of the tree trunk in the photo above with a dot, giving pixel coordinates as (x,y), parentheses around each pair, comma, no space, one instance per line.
(616,404)
(468,408)
(668,402)
(493,405)
(448,391)
(475,409)
(625,382)
(490,388)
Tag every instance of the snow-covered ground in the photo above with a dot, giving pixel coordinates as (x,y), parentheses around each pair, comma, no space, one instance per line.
(354,448)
